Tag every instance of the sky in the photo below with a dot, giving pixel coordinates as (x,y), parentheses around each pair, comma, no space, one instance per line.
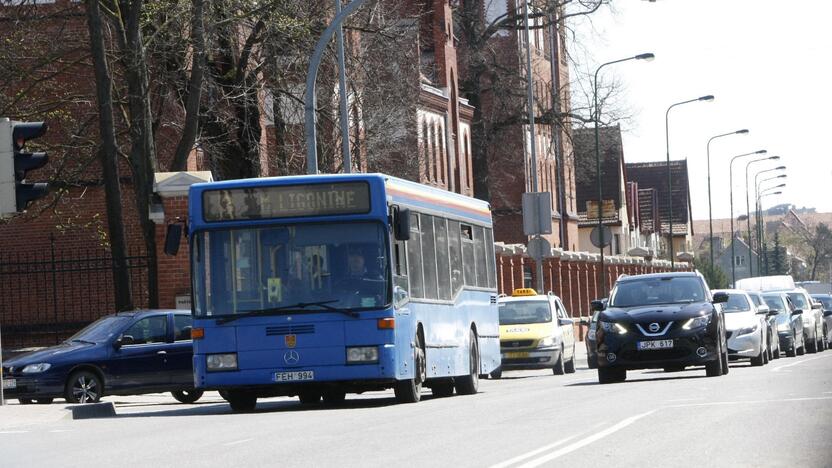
(767,62)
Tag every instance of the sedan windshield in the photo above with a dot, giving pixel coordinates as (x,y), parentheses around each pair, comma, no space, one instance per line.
(775,303)
(284,269)
(666,290)
(736,303)
(517,312)
(101,330)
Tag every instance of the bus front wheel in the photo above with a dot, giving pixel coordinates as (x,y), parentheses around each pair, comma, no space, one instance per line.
(241,402)
(410,390)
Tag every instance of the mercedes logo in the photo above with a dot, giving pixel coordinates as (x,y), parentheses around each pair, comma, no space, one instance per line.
(654,327)
(291,357)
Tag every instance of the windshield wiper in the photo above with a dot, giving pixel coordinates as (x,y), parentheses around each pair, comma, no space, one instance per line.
(288,309)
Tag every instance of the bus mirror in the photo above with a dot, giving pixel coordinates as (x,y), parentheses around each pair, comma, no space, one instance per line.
(401,222)
(173,238)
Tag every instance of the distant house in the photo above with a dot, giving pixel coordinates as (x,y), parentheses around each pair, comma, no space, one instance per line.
(619,207)
(743,258)
(653,176)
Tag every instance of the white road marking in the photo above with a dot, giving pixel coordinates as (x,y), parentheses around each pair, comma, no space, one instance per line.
(237,442)
(798,362)
(13,432)
(60,430)
(584,442)
(684,399)
(533,453)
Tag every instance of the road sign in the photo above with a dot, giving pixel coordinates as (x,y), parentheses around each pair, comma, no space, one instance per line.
(539,248)
(537,213)
(596,239)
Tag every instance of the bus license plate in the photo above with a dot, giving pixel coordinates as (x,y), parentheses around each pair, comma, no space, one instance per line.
(8,384)
(656,344)
(295,376)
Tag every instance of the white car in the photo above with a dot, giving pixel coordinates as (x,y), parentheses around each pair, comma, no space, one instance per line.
(773,339)
(746,327)
(812,319)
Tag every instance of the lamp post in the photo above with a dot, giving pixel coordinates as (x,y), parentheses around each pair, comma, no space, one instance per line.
(748,210)
(597,117)
(710,212)
(758,215)
(760,203)
(707,98)
(731,192)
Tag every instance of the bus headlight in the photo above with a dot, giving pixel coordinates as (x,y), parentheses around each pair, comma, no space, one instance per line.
(221,362)
(362,354)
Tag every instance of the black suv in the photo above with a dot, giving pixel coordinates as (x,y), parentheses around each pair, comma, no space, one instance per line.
(666,321)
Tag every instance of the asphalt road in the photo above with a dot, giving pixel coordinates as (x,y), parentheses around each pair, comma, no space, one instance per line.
(777,415)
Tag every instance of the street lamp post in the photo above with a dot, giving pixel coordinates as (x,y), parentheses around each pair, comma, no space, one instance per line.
(760,226)
(707,98)
(710,211)
(760,204)
(597,117)
(731,192)
(748,210)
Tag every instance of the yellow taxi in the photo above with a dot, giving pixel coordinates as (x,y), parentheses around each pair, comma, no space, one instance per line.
(535,333)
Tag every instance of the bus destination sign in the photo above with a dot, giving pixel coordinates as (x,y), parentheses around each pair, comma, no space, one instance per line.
(286,201)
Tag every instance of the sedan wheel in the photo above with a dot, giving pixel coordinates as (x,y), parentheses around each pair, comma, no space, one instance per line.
(83,387)
(187,396)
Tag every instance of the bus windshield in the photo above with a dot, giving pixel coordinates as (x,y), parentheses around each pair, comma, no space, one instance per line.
(289,267)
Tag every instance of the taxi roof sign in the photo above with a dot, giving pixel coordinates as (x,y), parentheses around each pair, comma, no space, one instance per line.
(524,292)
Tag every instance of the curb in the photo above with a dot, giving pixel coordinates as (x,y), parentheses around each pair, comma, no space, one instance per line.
(92,410)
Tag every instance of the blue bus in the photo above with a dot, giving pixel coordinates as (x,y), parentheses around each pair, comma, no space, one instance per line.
(319,286)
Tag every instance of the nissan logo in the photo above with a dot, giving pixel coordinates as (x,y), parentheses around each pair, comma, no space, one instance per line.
(654,327)
(291,357)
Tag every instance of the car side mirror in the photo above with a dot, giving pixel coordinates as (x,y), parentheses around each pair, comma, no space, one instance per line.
(173,237)
(401,224)
(817,306)
(565,321)
(720,298)
(827,313)
(598,305)
(773,313)
(796,312)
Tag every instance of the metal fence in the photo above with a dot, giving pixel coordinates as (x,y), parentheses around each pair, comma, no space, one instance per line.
(46,296)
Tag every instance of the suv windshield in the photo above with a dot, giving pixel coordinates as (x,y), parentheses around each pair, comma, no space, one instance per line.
(517,312)
(281,269)
(101,330)
(736,303)
(662,290)
(776,303)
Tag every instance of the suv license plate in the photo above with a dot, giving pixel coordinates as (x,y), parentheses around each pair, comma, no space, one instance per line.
(295,376)
(656,344)
(9,384)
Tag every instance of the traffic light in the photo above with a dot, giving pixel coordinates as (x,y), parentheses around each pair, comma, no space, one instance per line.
(15,191)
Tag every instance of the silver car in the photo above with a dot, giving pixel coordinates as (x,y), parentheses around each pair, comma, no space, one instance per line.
(812,319)
(826,305)
(746,328)
(771,324)
(789,323)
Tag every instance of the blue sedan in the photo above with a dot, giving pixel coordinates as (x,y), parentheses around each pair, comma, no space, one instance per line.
(122,354)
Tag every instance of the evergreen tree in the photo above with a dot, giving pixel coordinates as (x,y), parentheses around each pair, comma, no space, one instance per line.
(714,276)
(779,263)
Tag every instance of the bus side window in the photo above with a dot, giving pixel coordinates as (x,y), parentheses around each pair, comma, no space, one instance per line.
(469,267)
(490,259)
(443,265)
(429,256)
(414,258)
(455,253)
(400,265)
(479,257)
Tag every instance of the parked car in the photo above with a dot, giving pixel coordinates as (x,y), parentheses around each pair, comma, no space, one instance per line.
(665,321)
(122,354)
(746,328)
(789,323)
(826,305)
(812,319)
(535,333)
(771,324)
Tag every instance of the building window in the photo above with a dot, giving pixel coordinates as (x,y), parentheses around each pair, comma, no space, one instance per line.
(739,261)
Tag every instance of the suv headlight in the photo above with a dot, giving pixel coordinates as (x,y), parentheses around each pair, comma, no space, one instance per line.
(36,368)
(612,327)
(697,322)
(221,362)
